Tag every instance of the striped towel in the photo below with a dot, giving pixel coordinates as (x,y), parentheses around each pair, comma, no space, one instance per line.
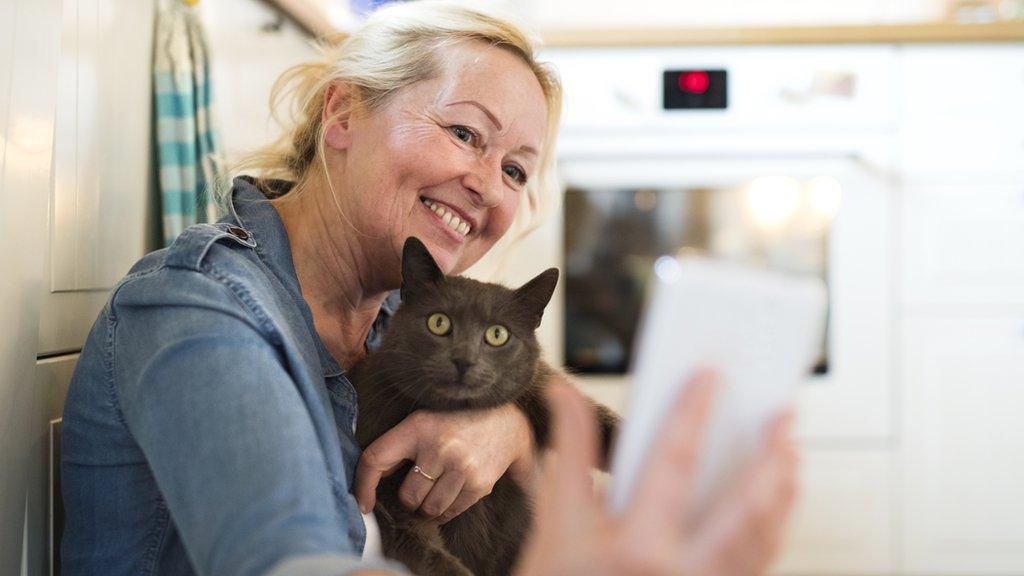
(187,140)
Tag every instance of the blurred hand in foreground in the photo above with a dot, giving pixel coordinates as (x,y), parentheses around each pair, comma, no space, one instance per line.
(574,534)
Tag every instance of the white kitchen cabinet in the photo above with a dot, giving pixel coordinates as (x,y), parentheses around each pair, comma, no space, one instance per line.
(75,92)
(963,457)
(29,51)
(963,245)
(843,521)
(962,379)
(103,194)
(961,111)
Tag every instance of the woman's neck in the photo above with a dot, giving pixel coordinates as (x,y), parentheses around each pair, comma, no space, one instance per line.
(338,281)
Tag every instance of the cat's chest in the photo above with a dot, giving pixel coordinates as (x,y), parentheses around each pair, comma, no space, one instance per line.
(380,406)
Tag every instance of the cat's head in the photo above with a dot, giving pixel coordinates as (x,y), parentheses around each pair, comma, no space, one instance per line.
(458,343)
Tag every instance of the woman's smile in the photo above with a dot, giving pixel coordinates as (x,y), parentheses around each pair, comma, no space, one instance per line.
(450,218)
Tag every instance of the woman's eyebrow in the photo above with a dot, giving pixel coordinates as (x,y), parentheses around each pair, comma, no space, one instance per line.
(494,119)
(483,108)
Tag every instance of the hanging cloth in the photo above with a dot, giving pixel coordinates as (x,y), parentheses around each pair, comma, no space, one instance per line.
(189,149)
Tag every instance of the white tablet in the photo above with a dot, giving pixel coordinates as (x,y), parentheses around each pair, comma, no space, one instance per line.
(762,331)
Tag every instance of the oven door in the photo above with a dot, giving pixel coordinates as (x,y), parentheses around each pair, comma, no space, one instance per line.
(819,214)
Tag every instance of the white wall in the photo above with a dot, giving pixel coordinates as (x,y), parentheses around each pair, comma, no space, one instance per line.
(246,61)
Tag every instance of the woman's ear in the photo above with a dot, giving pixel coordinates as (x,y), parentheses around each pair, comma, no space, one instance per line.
(335,116)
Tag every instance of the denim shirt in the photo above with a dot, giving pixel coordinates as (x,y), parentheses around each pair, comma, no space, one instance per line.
(207,429)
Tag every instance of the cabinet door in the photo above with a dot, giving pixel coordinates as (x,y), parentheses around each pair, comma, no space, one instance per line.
(842,523)
(962,110)
(101,197)
(964,463)
(29,47)
(964,244)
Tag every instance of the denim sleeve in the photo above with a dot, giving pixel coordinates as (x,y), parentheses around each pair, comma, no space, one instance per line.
(224,431)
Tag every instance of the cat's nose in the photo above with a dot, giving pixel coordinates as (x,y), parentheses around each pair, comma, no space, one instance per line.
(461,365)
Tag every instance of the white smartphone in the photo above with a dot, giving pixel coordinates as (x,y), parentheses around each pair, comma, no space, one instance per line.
(762,332)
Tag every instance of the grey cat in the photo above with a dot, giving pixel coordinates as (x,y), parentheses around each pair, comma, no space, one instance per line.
(457,344)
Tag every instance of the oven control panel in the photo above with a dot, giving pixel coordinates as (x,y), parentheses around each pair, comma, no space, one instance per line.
(695,89)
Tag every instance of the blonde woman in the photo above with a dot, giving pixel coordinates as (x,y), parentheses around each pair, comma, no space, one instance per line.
(209,424)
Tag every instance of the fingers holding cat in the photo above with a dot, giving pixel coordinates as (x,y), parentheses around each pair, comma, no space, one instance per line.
(466,452)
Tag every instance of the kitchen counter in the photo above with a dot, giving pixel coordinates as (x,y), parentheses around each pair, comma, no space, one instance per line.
(865,34)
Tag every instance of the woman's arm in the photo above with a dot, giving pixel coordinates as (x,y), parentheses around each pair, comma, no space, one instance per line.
(467,452)
(227,436)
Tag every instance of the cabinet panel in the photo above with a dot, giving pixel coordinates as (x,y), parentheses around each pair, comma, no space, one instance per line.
(964,463)
(964,244)
(29,46)
(102,188)
(52,377)
(842,523)
(961,109)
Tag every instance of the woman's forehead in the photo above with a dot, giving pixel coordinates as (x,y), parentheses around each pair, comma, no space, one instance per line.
(494,83)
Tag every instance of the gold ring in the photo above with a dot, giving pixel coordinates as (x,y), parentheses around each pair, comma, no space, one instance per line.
(420,471)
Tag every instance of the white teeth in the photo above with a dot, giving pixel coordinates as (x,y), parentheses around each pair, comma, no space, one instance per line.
(454,222)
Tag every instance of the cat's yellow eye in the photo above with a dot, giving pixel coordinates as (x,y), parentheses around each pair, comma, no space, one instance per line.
(496,335)
(439,324)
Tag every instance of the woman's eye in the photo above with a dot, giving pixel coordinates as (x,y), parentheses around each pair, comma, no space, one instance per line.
(496,335)
(464,134)
(515,173)
(439,324)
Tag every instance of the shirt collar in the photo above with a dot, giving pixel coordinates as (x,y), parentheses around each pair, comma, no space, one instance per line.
(253,212)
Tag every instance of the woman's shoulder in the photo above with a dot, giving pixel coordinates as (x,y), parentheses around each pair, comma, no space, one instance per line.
(210,266)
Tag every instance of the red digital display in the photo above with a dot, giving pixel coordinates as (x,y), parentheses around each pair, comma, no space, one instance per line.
(695,89)
(694,82)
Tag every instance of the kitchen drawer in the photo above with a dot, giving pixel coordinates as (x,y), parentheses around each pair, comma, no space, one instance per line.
(963,244)
(964,446)
(961,110)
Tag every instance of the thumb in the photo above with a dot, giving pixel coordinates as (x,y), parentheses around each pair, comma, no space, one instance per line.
(382,457)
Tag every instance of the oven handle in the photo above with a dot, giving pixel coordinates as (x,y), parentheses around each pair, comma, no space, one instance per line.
(629,169)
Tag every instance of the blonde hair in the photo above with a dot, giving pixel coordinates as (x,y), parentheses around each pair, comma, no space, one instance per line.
(396,46)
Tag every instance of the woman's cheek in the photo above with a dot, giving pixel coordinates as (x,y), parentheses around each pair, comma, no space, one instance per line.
(506,211)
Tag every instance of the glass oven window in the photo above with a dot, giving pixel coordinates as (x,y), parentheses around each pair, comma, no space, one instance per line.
(613,236)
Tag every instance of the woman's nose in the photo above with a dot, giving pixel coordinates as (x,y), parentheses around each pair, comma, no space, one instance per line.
(485,180)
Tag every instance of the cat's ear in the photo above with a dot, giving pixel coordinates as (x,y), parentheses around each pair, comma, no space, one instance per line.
(418,266)
(535,294)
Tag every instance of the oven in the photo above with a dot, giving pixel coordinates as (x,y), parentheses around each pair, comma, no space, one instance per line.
(774,157)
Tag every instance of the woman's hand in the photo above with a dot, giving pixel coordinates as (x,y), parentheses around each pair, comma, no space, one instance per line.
(574,535)
(466,452)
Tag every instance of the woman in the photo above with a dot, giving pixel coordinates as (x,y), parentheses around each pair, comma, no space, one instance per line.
(209,424)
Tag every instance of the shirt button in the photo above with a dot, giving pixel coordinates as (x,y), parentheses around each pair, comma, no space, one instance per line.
(239,233)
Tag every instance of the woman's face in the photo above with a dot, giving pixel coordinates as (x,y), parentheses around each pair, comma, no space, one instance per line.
(456,148)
